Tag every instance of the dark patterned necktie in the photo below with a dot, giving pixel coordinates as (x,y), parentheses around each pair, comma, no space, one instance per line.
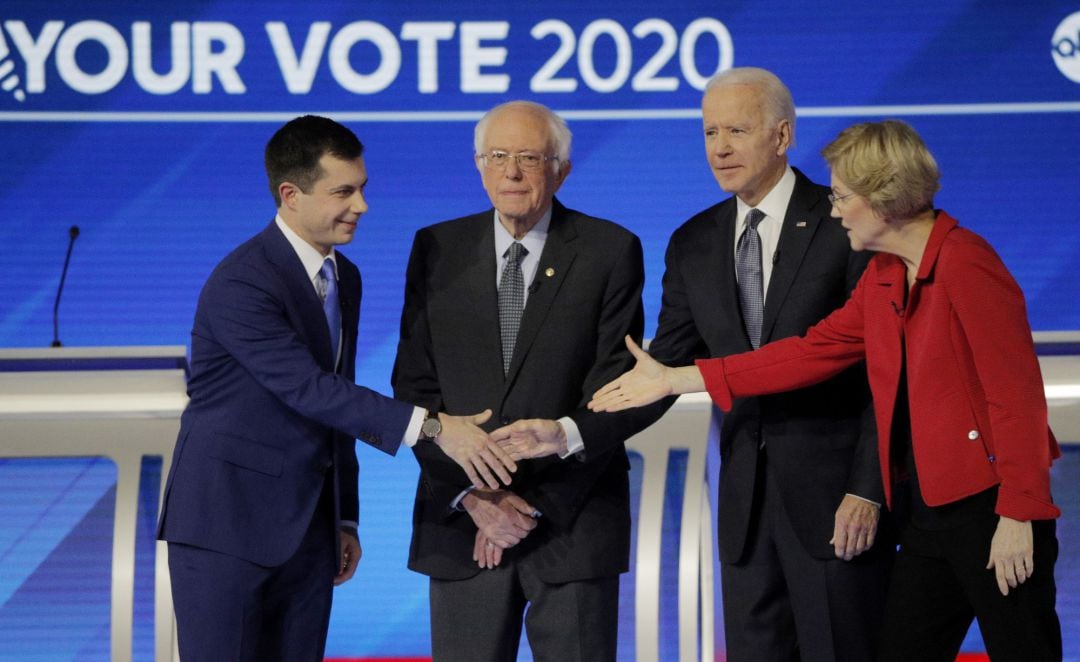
(331,305)
(511,300)
(748,270)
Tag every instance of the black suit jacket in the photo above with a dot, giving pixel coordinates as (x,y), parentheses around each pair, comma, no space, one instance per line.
(585,297)
(821,442)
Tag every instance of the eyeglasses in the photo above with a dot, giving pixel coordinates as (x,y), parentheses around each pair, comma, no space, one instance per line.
(833,198)
(528,161)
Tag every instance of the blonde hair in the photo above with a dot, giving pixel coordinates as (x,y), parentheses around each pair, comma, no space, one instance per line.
(888,164)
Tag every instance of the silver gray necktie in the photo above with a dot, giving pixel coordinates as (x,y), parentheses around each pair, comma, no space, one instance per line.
(751,279)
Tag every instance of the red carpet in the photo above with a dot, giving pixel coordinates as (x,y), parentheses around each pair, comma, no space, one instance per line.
(964,657)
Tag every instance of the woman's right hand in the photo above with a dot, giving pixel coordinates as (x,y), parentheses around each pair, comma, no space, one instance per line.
(646,383)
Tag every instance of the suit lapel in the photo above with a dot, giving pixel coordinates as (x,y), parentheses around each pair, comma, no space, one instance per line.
(715,268)
(350,283)
(555,262)
(280,253)
(477,249)
(804,213)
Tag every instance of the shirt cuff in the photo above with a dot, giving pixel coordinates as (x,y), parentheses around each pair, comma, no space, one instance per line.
(412,433)
(456,503)
(574,443)
(348,524)
(870,501)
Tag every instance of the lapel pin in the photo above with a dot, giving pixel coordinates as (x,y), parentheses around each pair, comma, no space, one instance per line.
(801,224)
(549,272)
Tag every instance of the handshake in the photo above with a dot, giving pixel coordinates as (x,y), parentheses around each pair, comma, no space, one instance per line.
(502,518)
(490,458)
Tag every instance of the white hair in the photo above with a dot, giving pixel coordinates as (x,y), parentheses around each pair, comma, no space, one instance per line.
(778,102)
(559,132)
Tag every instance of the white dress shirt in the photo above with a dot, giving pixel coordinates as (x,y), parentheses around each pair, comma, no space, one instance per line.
(312,260)
(774,206)
(533,241)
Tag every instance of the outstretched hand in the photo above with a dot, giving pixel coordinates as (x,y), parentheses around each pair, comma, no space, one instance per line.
(531,438)
(647,382)
(472,449)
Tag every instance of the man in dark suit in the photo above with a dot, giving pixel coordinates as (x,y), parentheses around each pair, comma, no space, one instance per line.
(528,334)
(801,576)
(260,506)
(799,480)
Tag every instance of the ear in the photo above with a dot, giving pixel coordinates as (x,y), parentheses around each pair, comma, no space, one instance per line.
(564,172)
(289,192)
(783,137)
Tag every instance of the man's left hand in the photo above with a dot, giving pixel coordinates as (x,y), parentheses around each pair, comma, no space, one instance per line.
(855,527)
(485,552)
(349,557)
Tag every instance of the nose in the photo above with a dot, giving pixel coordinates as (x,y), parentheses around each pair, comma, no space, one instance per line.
(513,171)
(359,205)
(718,145)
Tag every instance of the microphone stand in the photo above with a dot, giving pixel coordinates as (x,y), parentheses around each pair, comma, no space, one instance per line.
(73,233)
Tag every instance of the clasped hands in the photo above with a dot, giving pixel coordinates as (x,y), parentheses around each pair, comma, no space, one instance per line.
(503,519)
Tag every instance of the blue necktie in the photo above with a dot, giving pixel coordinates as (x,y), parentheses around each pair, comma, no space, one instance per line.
(748,269)
(331,305)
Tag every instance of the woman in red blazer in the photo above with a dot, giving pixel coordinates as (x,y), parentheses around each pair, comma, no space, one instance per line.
(964,445)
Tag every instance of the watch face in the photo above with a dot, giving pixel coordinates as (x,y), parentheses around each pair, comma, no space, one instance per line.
(431,427)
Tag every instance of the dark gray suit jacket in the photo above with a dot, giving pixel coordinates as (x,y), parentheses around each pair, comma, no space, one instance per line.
(585,298)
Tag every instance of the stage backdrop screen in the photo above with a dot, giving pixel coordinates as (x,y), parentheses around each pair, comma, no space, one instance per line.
(143,124)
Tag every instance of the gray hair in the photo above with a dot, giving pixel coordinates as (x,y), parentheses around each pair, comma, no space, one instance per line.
(559,132)
(778,102)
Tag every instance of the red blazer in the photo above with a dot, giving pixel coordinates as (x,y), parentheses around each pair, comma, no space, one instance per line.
(978,409)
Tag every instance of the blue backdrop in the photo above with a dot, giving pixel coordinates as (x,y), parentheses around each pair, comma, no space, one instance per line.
(145,126)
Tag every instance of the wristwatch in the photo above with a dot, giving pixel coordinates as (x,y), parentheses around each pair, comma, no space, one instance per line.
(431,427)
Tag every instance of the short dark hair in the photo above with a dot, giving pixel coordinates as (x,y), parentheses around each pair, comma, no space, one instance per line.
(293,152)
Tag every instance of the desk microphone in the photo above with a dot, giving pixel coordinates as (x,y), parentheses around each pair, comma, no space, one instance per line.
(73,233)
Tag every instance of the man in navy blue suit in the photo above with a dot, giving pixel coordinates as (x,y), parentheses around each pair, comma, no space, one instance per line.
(260,506)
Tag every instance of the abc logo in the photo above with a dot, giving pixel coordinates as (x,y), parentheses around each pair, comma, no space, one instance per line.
(1065,47)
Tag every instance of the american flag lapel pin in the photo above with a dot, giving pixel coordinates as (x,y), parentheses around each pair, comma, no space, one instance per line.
(801,224)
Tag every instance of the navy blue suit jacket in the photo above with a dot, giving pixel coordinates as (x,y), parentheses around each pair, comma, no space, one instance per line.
(268,419)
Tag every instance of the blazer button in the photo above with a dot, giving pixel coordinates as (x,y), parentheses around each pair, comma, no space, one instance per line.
(973,435)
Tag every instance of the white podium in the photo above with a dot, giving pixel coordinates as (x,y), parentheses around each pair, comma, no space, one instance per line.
(121,403)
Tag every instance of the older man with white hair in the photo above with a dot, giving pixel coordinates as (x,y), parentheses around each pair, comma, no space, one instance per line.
(522,309)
